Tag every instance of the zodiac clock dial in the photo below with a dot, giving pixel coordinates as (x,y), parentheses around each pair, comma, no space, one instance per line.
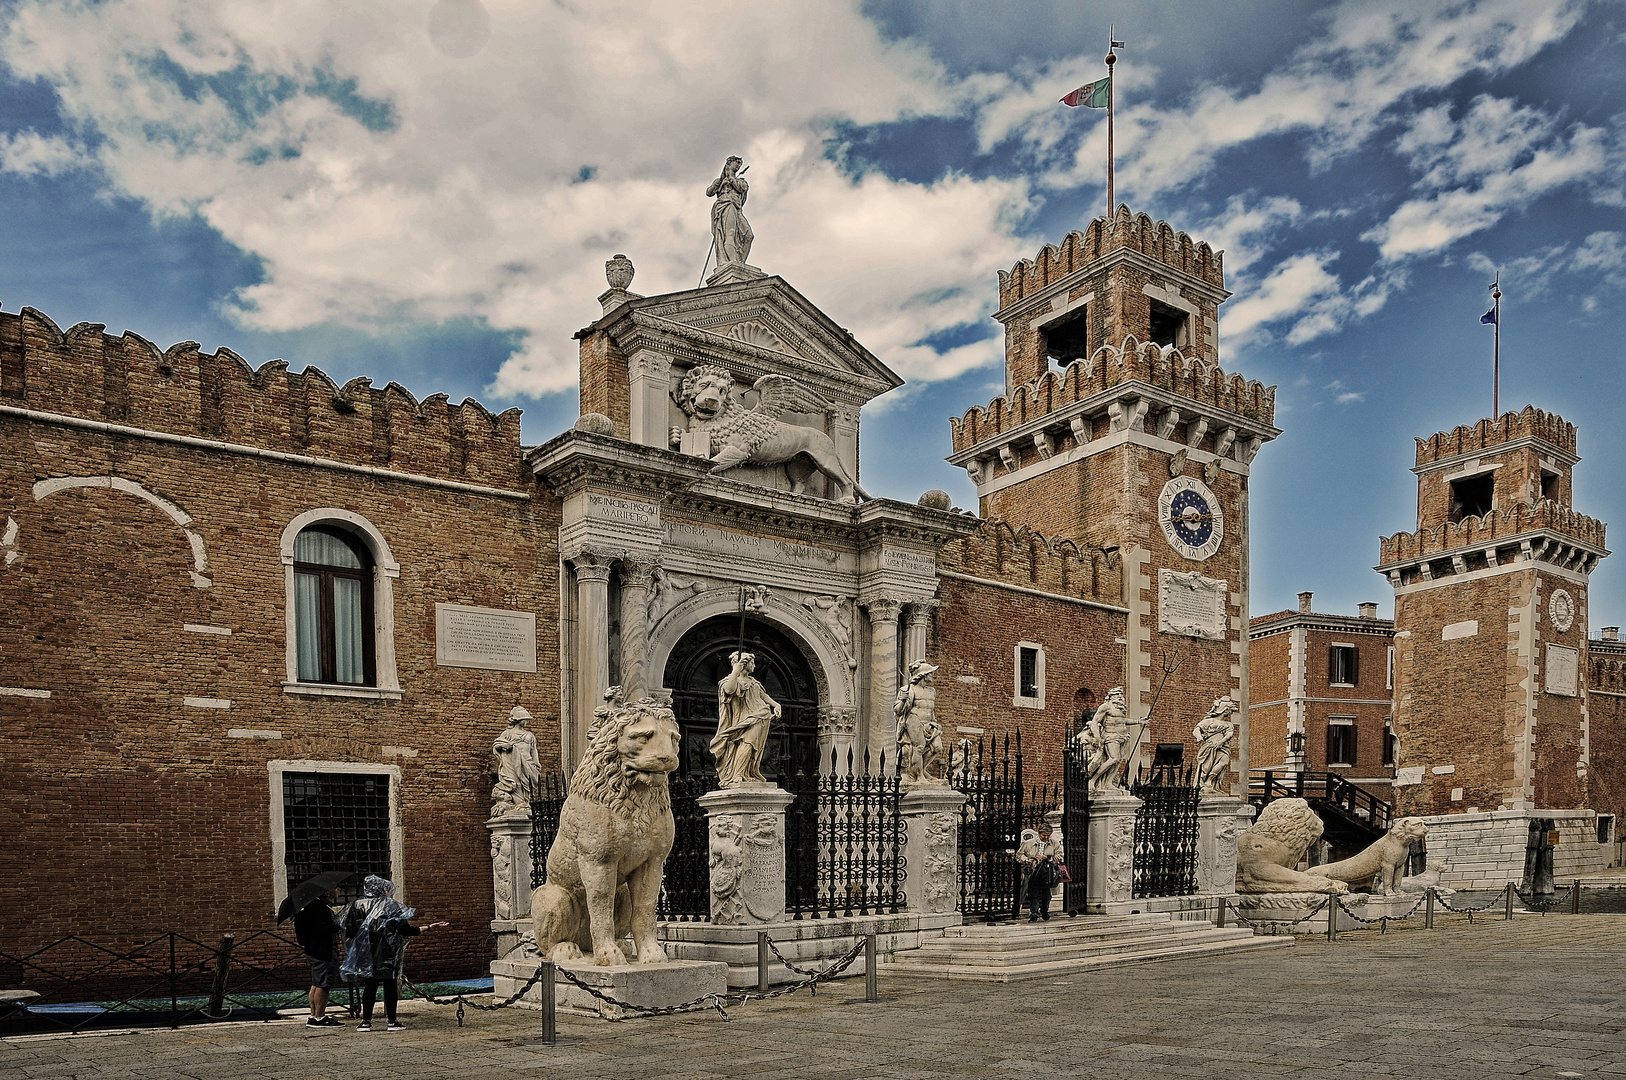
(1561,609)
(1191,518)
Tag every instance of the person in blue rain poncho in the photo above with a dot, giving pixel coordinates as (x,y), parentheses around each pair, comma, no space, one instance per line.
(378,930)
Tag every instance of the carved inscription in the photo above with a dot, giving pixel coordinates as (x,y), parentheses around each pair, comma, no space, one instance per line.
(908,562)
(626,511)
(1191,605)
(487,638)
(768,548)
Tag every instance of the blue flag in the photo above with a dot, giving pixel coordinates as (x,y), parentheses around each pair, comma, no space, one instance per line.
(1489,317)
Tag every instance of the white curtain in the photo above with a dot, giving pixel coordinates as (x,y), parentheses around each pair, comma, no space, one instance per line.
(347,631)
(308,625)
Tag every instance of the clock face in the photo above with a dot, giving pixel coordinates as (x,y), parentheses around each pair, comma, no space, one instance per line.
(1561,609)
(1191,518)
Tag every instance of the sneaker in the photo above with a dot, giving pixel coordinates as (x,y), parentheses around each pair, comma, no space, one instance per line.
(315,1021)
(365,1025)
(332,1021)
(393,1026)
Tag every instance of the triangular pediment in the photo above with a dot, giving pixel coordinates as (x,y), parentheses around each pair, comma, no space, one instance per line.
(753,327)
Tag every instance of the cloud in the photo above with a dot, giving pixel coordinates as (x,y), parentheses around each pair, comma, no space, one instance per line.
(28,153)
(1287,291)
(379,180)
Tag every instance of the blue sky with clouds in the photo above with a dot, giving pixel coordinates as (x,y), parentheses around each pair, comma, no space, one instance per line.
(426,192)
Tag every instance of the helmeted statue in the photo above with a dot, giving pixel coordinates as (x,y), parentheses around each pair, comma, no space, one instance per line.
(920,736)
(516,769)
(1214,734)
(730,232)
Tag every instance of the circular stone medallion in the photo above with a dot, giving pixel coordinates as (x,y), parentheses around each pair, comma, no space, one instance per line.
(1561,610)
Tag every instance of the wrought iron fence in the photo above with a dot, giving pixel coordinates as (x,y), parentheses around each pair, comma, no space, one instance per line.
(686,882)
(1075,827)
(547,798)
(169,979)
(1165,860)
(844,838)
(990,778)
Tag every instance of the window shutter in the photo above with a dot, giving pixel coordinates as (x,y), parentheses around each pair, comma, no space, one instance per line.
(1354,666)
(1332,663)
(1353,749)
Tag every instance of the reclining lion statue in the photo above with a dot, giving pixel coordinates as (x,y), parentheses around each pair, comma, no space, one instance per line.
(615,830)
(1382,863)
(1267,851)
(740,436)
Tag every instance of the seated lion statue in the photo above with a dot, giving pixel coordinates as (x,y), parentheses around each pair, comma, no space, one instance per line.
(1382,863)
(615,830)
(1267,851)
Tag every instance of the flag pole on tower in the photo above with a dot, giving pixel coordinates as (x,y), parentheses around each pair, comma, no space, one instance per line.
(1494,317)
(1099,95)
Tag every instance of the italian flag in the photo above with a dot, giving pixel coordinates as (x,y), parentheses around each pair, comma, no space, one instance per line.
(1095,95)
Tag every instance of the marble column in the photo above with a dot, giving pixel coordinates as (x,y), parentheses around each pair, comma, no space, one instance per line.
(931,818)
(592,650)
(1220,820)
(636,579)
(510,876)
(883,679)
(746,825)
(918,622)
(1112,848)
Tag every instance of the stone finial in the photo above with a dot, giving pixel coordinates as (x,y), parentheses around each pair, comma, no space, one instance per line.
(596,424)
(936,499)
(618,271)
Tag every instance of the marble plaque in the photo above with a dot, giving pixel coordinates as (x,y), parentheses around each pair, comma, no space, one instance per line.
(1562,662)
(770,549)
(488,638)
(1191,605)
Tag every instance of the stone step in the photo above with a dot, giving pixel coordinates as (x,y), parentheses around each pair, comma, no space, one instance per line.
(1050,968)
(1141,939)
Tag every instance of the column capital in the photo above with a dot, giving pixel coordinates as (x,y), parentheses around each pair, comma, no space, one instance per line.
(590,562)
(921,610)
(638,573)
(882,609)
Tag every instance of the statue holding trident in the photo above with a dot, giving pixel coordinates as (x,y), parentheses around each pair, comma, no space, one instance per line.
(730,233)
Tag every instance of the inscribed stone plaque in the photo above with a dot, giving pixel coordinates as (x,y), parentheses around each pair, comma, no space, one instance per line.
(1561,665)
(476,637)
(1191,605)
(909,562)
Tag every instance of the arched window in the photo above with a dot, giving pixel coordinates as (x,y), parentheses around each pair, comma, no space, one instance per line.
(340,606)
(333,608)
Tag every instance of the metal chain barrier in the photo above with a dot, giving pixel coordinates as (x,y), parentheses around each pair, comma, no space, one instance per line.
(1542,905)
(1469,911)
(705,1001)
(1384,920)
(1275,923)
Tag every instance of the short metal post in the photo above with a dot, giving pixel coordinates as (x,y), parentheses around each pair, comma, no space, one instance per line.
(871,985)
(174,987)
(1428,910)
(217,994)
(1332,918)
(762,961)
(1575,897)
(1507,911)
(550,1033)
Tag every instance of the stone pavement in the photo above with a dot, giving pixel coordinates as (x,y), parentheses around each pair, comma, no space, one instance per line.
(1538,997)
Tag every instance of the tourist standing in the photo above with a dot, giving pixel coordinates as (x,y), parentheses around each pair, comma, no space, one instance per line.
(1040,872)
(316,929)
(378,930)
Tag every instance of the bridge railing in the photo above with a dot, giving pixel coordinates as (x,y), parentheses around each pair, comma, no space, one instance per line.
(1266,785)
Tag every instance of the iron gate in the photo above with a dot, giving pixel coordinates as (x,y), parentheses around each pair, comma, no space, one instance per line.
(547,800)
(844,839)
(686,882)
(990,828)
(1075,827)
(1165,836)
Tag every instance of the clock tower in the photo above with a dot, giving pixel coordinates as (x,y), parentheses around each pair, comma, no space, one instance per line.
(1119,430)
(1491,608)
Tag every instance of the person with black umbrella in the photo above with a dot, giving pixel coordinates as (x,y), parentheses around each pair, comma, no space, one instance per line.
(317,928)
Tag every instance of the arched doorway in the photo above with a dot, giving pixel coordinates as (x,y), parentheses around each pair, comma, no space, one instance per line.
(700,660)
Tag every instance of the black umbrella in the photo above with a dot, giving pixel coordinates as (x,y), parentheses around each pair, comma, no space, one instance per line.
(305,892)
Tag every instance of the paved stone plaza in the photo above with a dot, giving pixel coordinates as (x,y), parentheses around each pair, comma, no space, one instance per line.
(1538,997)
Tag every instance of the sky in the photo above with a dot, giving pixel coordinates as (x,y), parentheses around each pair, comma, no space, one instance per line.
(426,192)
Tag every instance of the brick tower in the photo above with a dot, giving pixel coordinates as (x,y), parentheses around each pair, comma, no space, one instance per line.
(1490,694)
(1119,429)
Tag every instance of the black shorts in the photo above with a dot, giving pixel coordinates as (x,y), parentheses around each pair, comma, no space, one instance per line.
(325,971)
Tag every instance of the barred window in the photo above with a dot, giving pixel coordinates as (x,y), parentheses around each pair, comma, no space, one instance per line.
(1341,741)
(336,821)
(1028,676)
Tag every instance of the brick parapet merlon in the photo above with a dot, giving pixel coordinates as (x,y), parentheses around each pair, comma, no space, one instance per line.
(1023,557)
(1137,232)
(1195,379)
(1477,533)
(88,374)
(1487,434)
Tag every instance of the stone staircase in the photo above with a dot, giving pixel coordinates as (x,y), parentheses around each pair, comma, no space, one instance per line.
(1011,952)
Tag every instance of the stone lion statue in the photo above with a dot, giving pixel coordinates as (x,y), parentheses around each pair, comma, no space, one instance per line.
(741,436)
(1384,862)
(615,830)
(1267,851)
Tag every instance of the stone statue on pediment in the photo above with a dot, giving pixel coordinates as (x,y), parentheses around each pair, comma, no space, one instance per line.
(730,232)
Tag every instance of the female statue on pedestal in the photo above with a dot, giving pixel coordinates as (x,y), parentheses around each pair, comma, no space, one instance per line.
(729,229)
(744,711)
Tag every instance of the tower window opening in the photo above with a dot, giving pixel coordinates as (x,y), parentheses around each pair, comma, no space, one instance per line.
(1168,325)
(1067,339)
(1549,485)
(1472,496)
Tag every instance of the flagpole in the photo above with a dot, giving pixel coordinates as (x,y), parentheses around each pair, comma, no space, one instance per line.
(1496,363)
(1112,94)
